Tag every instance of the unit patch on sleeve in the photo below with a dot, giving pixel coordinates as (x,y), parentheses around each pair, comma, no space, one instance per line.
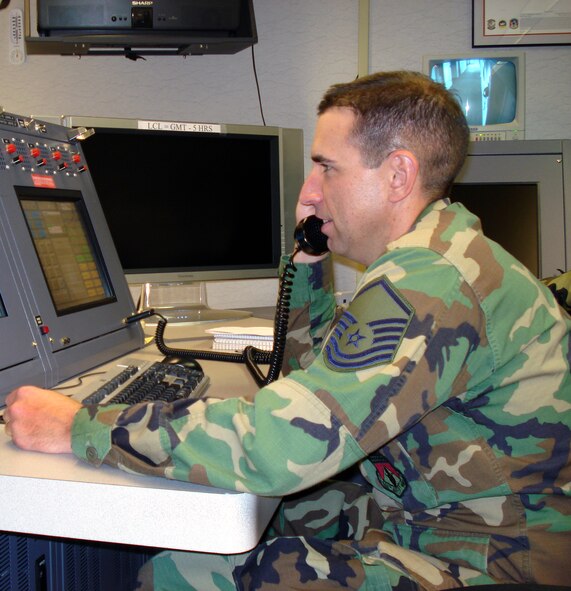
(388,476)
(370,330)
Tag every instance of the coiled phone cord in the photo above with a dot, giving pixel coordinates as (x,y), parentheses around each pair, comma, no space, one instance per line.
(251,356)
(281,321)
(309,238)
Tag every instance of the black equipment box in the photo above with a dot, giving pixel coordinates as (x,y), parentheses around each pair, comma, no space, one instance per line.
(59,16)
(83,27)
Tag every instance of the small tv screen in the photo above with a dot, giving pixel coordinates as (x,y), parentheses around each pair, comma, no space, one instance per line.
(485,87)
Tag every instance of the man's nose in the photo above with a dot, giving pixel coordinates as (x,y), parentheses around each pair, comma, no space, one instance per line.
(311,191)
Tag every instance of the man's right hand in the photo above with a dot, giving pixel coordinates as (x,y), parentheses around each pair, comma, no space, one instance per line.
(40,420)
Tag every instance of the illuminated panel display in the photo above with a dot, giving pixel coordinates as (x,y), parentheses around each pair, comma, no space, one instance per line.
(67,250)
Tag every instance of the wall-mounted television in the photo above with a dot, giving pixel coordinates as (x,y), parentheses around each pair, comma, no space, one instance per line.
(490,87)
(143,27)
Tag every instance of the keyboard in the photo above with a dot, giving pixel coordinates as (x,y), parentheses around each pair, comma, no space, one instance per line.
(168,380)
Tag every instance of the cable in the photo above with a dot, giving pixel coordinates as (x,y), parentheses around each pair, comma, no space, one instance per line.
(251,356)
(79,381)
(281,322)
(258,86)
(196,353)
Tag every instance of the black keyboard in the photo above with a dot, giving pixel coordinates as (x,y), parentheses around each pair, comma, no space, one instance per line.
(167,381)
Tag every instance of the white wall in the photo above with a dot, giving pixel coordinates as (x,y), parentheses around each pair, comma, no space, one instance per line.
(403,31)
(304,46)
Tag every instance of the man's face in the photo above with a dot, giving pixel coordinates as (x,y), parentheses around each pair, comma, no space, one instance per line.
(347,195)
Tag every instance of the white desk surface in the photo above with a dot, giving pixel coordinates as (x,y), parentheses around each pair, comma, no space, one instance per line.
(60,496)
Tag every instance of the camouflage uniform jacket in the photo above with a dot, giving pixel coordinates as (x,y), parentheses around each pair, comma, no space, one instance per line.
(448,377)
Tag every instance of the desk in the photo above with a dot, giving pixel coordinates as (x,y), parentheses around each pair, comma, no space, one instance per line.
(58,495)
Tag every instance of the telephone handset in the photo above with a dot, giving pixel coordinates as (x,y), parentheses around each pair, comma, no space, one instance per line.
(309,237)
(311,240)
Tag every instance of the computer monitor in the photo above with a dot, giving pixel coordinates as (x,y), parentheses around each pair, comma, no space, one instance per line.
(490,87)
(191,202)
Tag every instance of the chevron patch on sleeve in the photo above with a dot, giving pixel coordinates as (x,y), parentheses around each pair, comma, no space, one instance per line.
(370,330)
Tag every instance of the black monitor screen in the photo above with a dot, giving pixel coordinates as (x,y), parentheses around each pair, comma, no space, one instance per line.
(188,202)
(509,213)
(65,244)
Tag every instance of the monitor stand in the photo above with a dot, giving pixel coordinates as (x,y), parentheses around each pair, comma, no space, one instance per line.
(184,302)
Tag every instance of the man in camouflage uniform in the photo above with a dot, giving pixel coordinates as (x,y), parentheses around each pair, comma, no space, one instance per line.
(446,381)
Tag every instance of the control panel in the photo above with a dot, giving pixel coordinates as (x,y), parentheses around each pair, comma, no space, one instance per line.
(63,293)
(27,149)
(494,136)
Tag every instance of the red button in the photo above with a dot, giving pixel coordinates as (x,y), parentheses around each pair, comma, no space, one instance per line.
(11,148)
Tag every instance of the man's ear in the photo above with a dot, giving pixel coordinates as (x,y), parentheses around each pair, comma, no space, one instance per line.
(403,169)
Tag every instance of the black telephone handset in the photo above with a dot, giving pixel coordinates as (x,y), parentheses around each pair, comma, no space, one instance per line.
(309,237)
(311,240)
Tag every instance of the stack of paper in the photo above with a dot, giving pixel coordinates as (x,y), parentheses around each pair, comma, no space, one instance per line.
(236,338)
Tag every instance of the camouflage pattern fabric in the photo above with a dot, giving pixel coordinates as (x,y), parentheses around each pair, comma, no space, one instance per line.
(560,285)
(327,538)
(447,379)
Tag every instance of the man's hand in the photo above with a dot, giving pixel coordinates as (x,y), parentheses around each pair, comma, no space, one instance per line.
(40,420)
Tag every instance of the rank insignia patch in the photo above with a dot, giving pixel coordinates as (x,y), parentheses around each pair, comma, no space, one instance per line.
(370,330)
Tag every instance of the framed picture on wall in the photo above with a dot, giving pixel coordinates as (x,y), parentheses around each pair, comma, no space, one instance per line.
(520,22)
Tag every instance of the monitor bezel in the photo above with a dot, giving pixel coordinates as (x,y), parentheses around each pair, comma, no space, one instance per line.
(290,171)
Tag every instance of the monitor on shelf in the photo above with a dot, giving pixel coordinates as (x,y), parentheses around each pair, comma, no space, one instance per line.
(490,87)
(187,202)
(520,190)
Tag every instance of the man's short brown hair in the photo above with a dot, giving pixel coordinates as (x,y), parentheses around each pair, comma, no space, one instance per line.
(406,110)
